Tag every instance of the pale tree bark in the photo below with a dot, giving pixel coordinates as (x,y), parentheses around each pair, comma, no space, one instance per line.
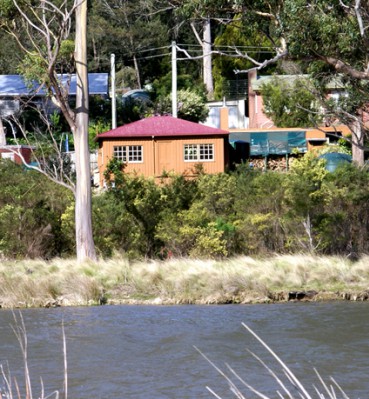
(2,134)
(207,67)
(83,213)
(137,71)
(357,143)
(40,34)
(205,43)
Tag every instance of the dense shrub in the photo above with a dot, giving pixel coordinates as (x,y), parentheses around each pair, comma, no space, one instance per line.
(31,209)
(246,212)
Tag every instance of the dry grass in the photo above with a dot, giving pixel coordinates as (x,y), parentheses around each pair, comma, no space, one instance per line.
(33,283)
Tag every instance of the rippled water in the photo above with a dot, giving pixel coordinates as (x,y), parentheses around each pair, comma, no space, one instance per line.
(141,352)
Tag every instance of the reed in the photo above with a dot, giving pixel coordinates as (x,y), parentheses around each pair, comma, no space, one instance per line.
(65,282)
(287,384)
(10,389)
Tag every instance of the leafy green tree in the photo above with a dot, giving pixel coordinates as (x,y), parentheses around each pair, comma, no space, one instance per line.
(192,233)
(190,106)
(304,201)
(258,212)
(129,30)
(290,104)
(203,229)
(235,34)
(333,44)
(343,225)
(141,198)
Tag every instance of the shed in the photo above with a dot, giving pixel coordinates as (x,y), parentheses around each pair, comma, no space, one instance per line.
(161,144)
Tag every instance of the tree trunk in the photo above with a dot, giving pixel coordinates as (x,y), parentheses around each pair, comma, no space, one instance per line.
(83,213)
(357,143)
(207,67)
(137,71)
(2,134)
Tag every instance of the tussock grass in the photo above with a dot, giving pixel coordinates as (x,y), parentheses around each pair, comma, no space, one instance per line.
(32,283)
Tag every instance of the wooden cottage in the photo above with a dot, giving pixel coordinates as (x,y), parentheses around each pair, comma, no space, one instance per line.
(162,144)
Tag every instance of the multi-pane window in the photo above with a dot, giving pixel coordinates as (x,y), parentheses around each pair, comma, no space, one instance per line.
(128,153)
(199,152)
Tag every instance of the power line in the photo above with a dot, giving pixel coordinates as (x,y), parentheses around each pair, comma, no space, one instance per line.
(221,50)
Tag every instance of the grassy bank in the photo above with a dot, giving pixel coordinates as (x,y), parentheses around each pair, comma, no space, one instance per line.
(35,283)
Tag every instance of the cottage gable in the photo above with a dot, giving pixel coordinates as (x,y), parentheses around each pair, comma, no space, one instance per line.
(162,126)
(159,145)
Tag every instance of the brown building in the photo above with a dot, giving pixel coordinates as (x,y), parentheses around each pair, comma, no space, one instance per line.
(163,144)
(17,153)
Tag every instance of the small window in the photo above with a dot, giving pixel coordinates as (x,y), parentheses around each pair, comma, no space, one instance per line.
(128,153)
(198,152)
(7,155)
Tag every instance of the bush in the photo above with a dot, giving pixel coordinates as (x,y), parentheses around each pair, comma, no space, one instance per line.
(31,209)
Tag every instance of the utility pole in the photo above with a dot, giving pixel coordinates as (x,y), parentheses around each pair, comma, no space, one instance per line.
(174,79)
(113,97)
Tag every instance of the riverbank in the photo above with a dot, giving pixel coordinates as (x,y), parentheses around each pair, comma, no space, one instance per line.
(64,282)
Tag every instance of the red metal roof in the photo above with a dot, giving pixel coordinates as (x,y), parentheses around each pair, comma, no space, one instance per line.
(163,126)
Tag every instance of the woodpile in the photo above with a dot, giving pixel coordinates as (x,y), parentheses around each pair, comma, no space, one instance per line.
(278,164)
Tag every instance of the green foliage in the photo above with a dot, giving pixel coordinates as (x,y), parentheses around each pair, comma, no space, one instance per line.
(246,212)
(34,68)
(290,104)
(192,233)
(191,98)
(31,214)
(163,87)
(141,199)
(327,26)
(235,34)
(133,109)
(116,230)
(190,106)
(94,129)
(344,220)
(258,212)
(65,58)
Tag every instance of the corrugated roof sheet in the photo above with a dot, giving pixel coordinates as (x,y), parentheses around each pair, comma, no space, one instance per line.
(15,85)
(163,126)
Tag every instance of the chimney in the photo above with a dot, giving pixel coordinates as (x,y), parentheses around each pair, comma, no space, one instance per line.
(224,124)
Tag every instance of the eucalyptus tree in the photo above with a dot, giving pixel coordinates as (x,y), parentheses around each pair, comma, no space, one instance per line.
(291,102)
(43,31)
(126,28)
(333,41)
(326,39)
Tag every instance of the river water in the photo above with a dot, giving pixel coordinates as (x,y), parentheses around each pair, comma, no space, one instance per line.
(147,352)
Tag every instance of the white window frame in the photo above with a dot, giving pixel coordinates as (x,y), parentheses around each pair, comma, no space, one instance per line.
(128,153)
(198,152)
(7,155)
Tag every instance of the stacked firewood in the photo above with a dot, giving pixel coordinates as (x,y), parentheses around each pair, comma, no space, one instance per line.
(278,164)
